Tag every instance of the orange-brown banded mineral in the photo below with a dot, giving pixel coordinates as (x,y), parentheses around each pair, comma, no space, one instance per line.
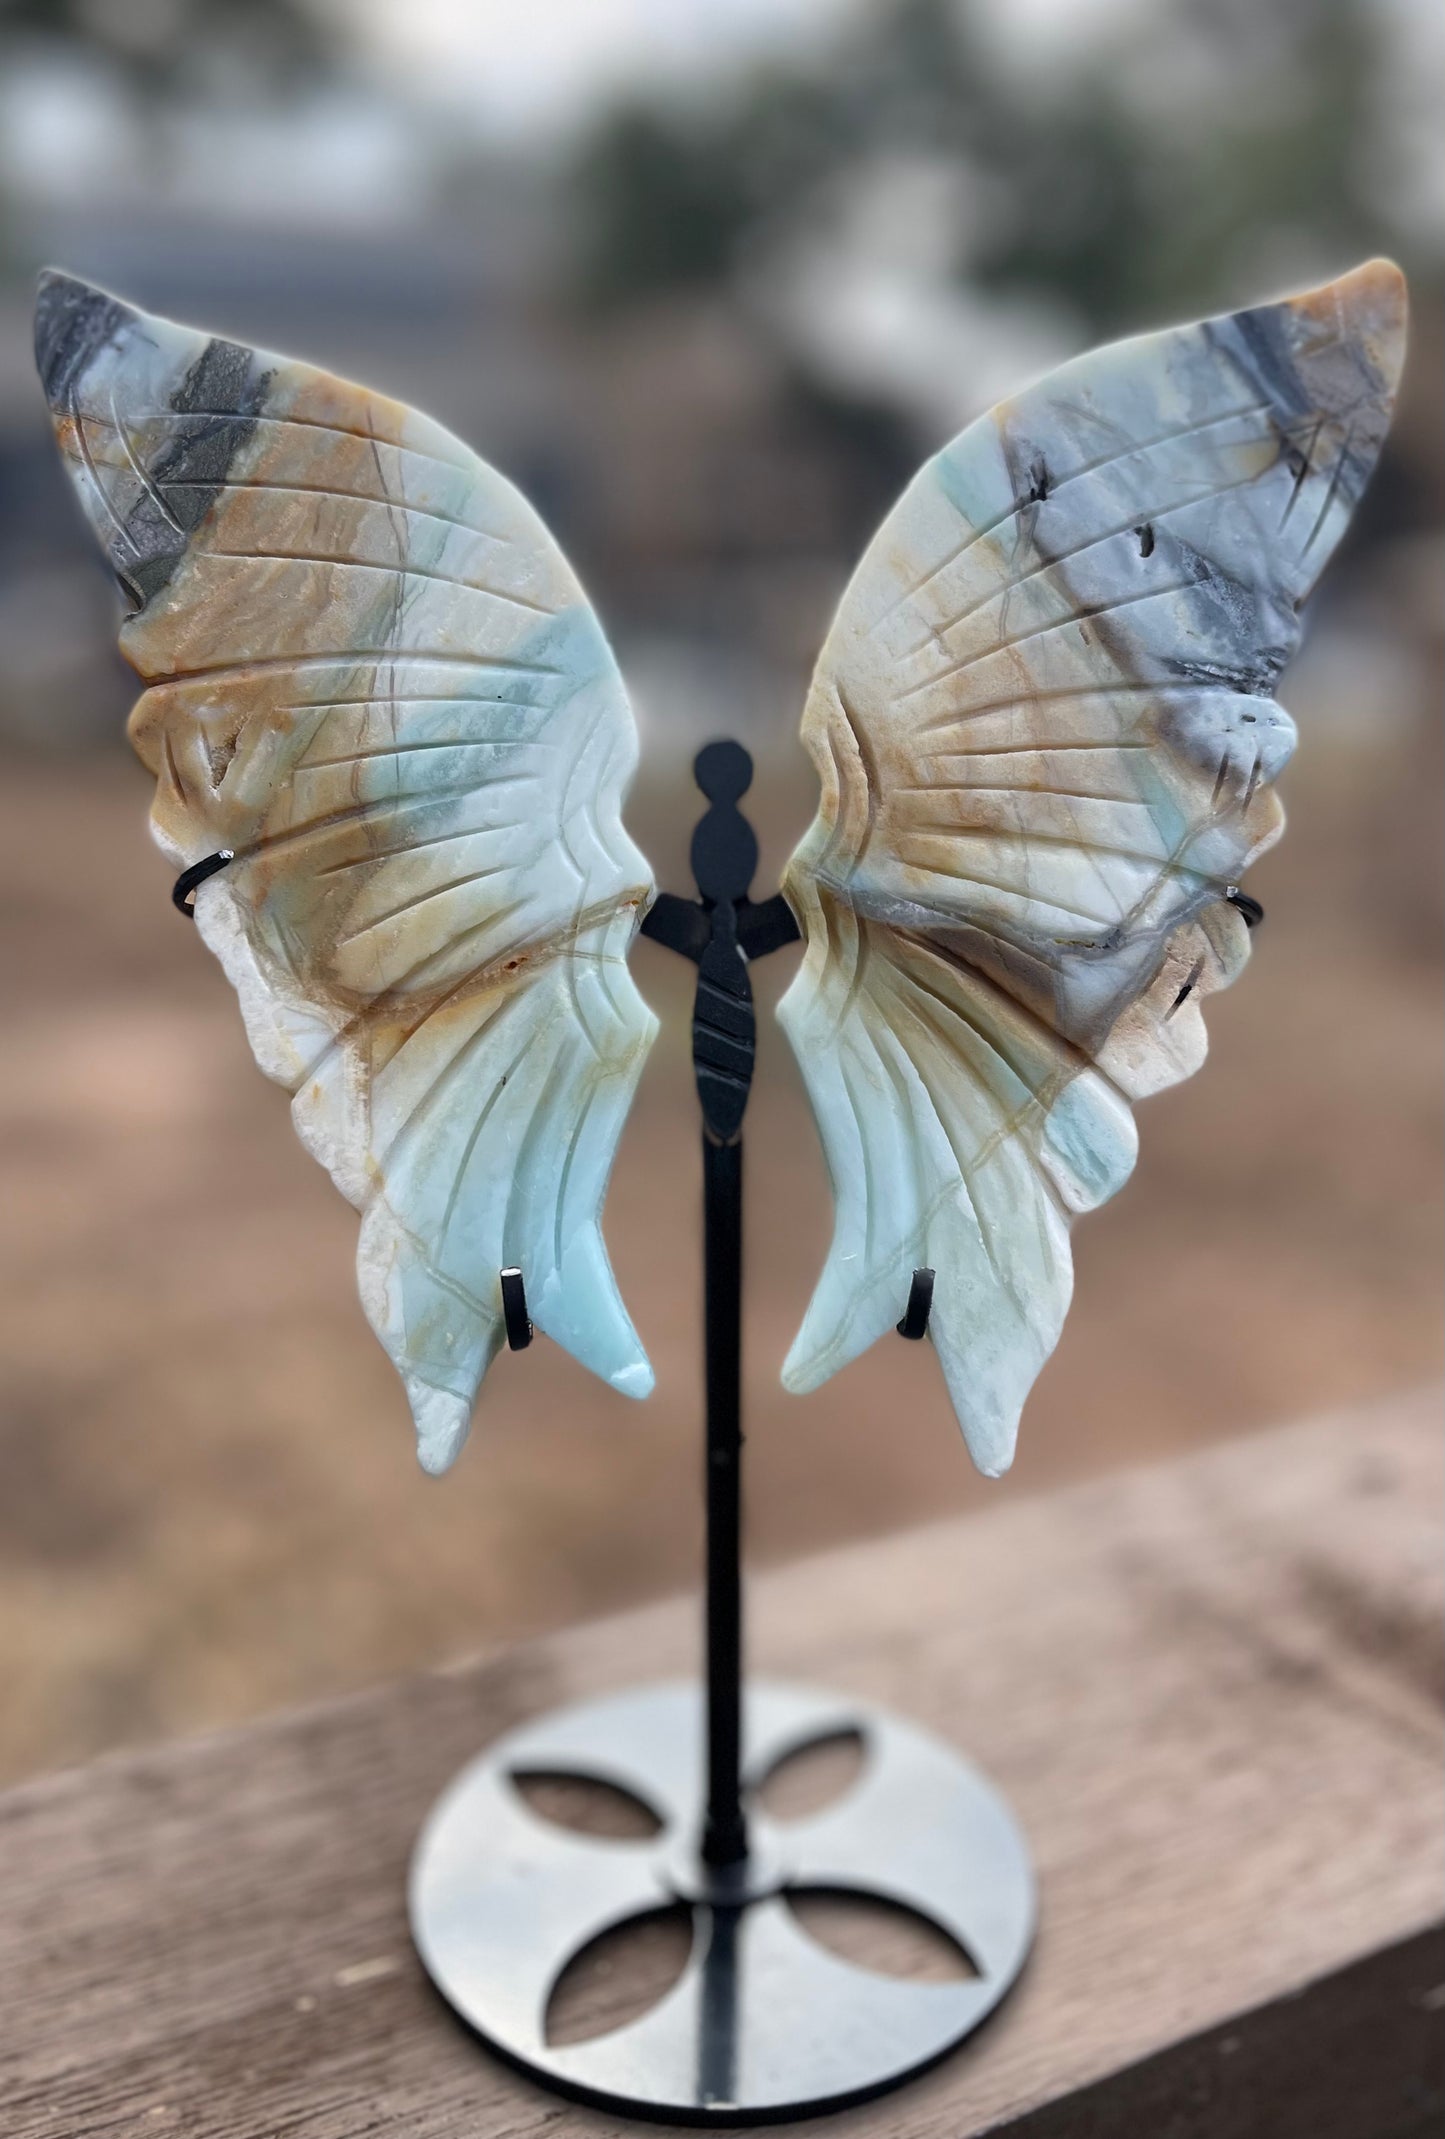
(374,679)
(1045,727)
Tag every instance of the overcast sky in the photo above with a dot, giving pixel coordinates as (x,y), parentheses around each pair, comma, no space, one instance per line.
(539,64)
(530,71)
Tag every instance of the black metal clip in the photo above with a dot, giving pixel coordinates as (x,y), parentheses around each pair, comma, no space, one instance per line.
(186,884)
(920,1306)
(1250,908)
(514,1309)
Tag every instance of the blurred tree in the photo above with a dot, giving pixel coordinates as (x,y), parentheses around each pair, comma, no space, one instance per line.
(155,42)
(1136,193)
(1130,183)
(662,207)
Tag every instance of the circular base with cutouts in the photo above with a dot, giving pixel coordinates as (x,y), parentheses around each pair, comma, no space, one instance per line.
(570,1847)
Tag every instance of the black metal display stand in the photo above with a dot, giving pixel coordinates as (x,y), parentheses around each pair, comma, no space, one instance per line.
(763,2023)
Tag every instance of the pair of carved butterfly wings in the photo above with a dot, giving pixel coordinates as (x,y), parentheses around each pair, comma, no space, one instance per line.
(1046,739)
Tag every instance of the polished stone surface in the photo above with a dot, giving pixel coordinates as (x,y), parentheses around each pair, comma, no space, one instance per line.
(1045,729)
(373,677)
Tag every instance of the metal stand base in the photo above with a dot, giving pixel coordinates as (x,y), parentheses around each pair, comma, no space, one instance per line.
(763,2023)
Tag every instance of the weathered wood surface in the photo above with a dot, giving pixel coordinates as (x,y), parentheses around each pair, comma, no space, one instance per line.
(1211,1689)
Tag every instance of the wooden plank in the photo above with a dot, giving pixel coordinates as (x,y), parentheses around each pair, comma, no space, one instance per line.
(1359,2055)
(1211,1689)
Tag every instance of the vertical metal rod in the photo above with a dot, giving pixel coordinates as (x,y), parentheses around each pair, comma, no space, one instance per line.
(711,931)
(725,1838)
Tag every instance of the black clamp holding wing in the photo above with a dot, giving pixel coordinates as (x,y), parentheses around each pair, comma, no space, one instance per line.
(186,885)
(920,1306)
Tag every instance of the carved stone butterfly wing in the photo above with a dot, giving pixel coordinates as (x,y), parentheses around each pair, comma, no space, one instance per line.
(1044,725)
(374,679)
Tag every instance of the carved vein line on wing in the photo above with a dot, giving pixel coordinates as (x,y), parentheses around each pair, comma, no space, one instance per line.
(1026,696)
(394,699)
(1002,591)
(475,1132)
(861,948)
(538,1122)
(147,486)
(1107,460)
(407,750)
(845,897)
(563,1179)
(237,484)
(395,571)
(1035,1106)
(486,1311)
(872,1202)
(1307,464)
(564,821)
(173,771)
(319,827)
(1081,843)
(908,980)
(836,832)
(841,952)
(1042,631)
(864,748)
(1035,750)
(899,1078)
(969,787)
(409,1128)
(1073,1061)
(1191,831)
(463,463)
(438,839)
(422,898)
(604,964)
(574,997)
(1333,487)
(479,981)
(82,445)
(1006,1127)
(925,1085)
(933,867)
(352,658)
(398,528)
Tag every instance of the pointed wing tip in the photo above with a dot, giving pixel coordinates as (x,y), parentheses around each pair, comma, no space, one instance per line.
(56,285)
(73,319)
(1374,299)
(635,1380)
(1378,283)
(1378,296)
(988,1399)
(991,1447)
(800,1375)
(442,1421)
(995,1469)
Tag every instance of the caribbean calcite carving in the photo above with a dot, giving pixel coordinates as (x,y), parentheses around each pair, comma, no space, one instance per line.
(372,677)
(1044,725)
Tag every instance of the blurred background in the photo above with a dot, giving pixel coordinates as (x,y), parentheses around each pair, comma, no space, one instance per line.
(708,281)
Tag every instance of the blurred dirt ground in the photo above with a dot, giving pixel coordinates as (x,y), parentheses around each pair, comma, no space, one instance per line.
(209,1502)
